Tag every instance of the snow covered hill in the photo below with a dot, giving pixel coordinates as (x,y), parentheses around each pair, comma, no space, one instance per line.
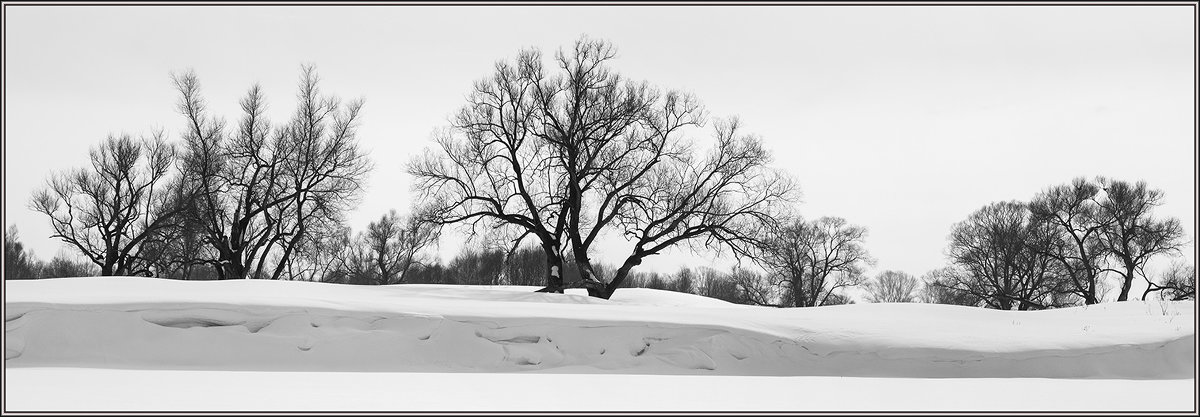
(141,324)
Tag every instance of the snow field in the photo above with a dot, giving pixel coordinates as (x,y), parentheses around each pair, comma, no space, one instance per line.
(130,344)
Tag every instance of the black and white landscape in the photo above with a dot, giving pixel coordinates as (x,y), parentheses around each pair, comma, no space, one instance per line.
(599,208)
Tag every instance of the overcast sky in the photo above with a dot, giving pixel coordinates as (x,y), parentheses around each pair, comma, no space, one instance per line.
(901,119)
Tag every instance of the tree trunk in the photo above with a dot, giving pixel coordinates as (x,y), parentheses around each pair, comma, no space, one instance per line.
(1127,281)
(1091,293)
(554,263)
(234,269)
(619,278)
(587,273)
(109,268)
(797,291)
(1004,303)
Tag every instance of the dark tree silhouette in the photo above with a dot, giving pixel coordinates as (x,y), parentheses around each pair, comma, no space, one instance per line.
(1177,283)
(1000,258)
(1077,223)
(1133,235)
(264,190)
(563,154)
(61,266)
(892,287)
(813,260)
(494,168)
(19,262)
(113,211)
(937,288)
(386,251)
(725,200)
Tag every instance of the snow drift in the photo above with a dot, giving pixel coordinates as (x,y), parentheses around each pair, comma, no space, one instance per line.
(255,325)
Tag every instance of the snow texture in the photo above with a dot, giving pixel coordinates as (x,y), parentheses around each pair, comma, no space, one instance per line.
(268,330)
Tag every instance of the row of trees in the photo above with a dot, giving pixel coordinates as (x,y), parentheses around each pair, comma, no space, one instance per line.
(252,200)
(557,154)
(522,266)
(22,263)
(548,158)
(1062,247)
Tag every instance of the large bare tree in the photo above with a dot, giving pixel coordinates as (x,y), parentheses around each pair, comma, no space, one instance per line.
(564,153)
(264,189)
(113,210)
(494,168)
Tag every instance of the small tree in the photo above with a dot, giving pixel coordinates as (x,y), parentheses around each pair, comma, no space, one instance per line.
(62,266)
(751,287)
(19,262)
(715,284)
(1177,283)
(892,287)
(813,260)
(685,280)
(395,243)
(937,288)
(112,210)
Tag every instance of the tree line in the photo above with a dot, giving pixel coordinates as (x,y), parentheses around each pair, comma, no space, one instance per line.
(1064,247)
(546,156)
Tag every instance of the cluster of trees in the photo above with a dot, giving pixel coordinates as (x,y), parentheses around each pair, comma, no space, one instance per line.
(22,263)
(554,154)
(1062,248)
(542,160)
(252,200)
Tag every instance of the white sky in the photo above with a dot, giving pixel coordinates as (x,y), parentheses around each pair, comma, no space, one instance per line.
(901,119)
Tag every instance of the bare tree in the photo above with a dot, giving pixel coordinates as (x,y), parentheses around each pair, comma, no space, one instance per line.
(565,156)
(723,201)
(1177,283)
(937,288)
(64,266)
(1077,222)
(494,168)
(1001,256)
(263,190)
(352,263)
(394,244)
(323,169)
(19,262)
(714,284)
(1133,235)
(751,287)
(110,211)
(892,287)
(812,260)
(610,136)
